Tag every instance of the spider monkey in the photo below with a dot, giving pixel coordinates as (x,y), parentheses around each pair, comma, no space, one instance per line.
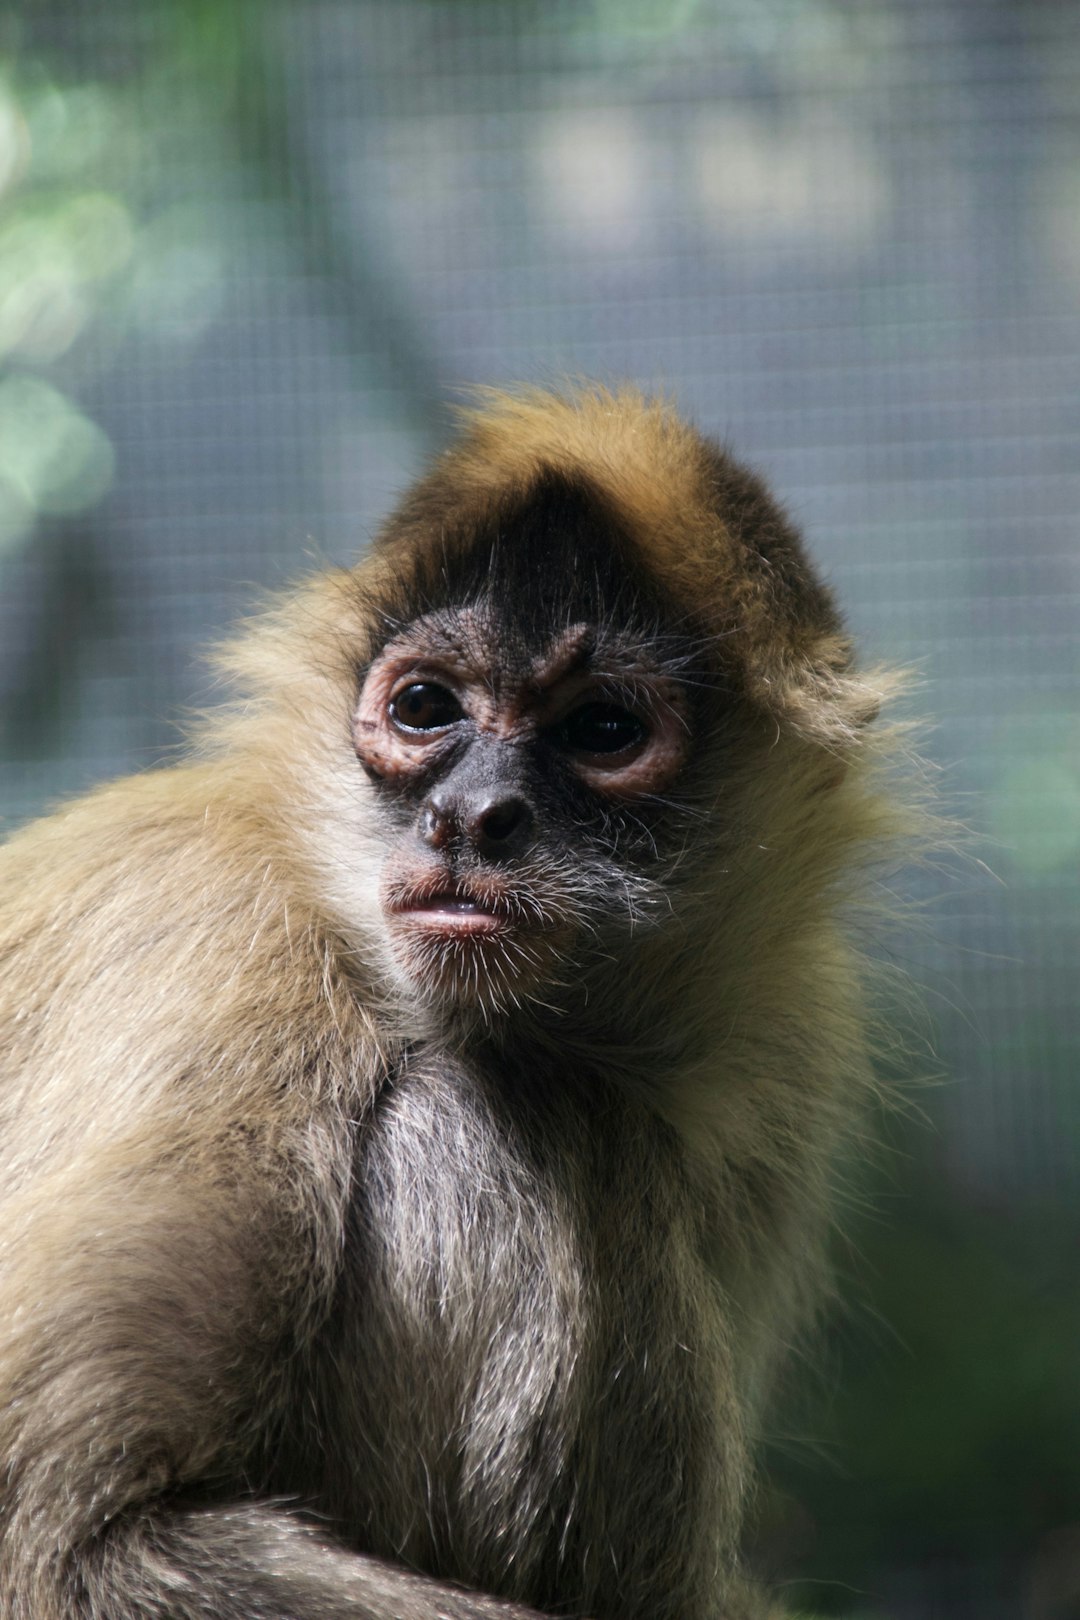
(417,1106)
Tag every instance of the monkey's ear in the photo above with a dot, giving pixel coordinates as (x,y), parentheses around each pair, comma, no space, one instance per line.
(821,696)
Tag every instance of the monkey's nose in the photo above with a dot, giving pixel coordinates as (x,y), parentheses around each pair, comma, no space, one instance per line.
(496,823)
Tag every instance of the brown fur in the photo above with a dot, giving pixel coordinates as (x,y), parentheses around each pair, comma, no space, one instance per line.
(308,1281)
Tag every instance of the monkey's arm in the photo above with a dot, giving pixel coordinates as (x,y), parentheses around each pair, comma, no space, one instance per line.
(177,1082)
(139,1364)
(253,1563)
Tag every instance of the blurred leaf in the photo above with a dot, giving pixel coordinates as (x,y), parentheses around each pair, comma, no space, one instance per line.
(53,459)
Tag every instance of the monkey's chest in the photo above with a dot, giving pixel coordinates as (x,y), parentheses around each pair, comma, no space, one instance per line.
(522,1346)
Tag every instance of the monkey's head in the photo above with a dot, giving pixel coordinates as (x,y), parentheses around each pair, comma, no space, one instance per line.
(591,629)
(518,756)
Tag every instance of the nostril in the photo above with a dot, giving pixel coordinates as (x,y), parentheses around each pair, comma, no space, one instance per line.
(436,821)
(497,822)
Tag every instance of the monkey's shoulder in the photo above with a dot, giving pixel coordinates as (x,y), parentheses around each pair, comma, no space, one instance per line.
(152,940)
(129,857)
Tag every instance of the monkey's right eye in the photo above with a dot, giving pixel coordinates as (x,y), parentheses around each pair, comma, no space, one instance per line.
(601,728)
(424,706)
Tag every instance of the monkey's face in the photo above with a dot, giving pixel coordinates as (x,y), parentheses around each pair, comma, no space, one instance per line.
(523,782)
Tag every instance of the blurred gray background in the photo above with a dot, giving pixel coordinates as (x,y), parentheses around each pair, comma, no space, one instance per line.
(249,253)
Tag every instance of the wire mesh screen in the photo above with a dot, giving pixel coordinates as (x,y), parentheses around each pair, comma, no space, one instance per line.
(248,253)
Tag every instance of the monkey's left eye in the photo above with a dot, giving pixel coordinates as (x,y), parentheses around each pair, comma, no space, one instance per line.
(425,706)
(600,728)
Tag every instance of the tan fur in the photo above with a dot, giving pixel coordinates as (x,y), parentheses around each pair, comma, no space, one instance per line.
(651,465)
(200,1012)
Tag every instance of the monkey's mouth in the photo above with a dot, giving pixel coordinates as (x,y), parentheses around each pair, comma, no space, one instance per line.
(450,908)
(450,912)
(479,937)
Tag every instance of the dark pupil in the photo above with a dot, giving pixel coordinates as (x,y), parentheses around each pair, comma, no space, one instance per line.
(425,706)
(601,728)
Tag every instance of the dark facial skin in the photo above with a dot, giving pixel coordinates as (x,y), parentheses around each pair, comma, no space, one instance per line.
(499,758)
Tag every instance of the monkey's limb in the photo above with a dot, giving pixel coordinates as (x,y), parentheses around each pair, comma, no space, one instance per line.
(141,1354)
(137,1339)
(257,1563)
(137,1342)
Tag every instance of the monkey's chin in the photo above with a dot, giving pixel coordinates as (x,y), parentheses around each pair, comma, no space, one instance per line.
(468,958)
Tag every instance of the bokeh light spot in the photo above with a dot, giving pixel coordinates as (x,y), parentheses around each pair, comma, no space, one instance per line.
(1035,812)
(53,459)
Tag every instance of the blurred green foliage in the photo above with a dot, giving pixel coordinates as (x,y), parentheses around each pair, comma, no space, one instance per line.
(951,1425)
(1034,803)
(63,245)
(90,249)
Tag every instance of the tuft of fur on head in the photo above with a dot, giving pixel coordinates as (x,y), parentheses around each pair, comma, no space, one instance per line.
(707,525)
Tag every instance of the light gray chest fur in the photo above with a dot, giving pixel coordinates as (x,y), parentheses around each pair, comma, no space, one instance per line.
(522,1366)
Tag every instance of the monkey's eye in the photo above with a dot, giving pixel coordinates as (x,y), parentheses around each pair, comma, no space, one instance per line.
(424,706)
(600,728)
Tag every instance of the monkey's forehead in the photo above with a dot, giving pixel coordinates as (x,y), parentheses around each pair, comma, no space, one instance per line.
(475,636)
(593,497)
(475,640)
(533,560)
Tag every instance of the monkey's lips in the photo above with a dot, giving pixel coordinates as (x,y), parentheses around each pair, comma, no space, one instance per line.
(452,913)
(479,937)
(445,906)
